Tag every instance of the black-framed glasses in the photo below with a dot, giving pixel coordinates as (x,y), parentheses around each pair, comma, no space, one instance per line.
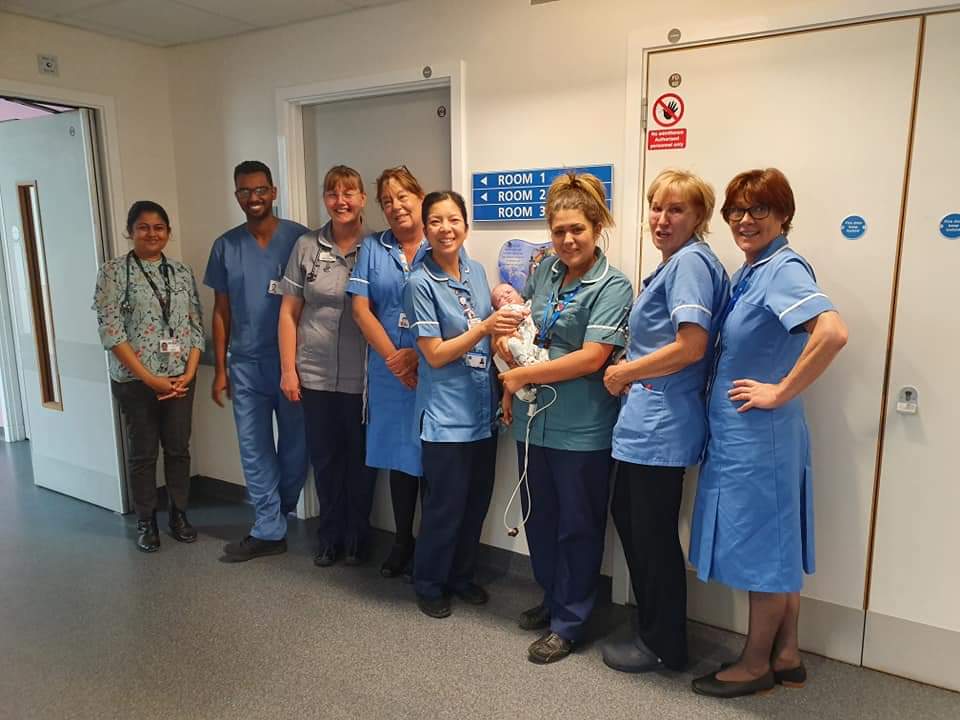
(245,193)
(757,212)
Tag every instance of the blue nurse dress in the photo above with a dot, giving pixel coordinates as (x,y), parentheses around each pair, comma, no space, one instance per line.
(380,275)
(753,515)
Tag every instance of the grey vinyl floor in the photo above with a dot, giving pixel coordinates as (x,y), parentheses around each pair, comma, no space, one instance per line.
(91,628)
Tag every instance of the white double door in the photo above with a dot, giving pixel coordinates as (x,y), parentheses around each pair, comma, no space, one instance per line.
(833,109)
(74,443)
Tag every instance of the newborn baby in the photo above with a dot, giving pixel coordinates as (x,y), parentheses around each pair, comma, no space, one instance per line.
(522,344)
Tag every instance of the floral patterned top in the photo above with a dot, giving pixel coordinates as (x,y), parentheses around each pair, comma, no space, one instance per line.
(133,314)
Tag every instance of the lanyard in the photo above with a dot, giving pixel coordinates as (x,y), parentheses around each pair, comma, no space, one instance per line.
(743,284)
(551,313)
(466,305)
(163,301)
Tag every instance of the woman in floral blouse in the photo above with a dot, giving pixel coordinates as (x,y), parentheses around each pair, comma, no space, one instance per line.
(150,321)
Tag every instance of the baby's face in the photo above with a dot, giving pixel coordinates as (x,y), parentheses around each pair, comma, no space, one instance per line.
(505,294)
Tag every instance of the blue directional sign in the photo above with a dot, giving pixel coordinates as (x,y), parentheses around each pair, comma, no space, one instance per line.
(512,195)
(853,227)
(950,226)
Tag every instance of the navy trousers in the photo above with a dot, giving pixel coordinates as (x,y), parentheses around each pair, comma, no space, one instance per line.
(457,486)
(569,490)
(337,442)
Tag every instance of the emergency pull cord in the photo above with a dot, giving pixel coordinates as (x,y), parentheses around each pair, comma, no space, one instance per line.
(532,412)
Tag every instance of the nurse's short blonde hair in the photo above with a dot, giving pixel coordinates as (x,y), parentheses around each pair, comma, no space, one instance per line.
(692,188)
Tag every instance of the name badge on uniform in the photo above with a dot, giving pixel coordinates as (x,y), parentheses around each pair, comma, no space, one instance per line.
(169,346)
(475,360)
(274,288)
(402,321)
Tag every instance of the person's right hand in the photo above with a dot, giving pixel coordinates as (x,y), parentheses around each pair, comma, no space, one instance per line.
(164,387)
(502,322)
(290,385)
(506,403)
(402,362)
(221,384)
(500,348)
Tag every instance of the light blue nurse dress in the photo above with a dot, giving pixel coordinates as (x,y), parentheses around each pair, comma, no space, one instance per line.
(380,275)
(753,515)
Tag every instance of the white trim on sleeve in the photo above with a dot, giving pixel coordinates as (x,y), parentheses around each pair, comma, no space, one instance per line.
(797,304)
(424,322)
(359,280)
(604,327)
(292,282)
(688,306)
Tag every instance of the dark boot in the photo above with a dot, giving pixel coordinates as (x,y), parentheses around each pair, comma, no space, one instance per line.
(148,537)
(180,527)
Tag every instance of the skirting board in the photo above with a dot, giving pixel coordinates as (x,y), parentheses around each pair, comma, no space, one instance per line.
(914,650)
(827,629)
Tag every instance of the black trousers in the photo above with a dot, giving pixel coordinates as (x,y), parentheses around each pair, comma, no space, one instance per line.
(646,509)
(404,491)
(336,440)
(147,423)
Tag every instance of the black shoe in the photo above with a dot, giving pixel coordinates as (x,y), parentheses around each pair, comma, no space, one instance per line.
(472,594)
(398,561)
(791,677)
(536,618)
(710,685)
(438,607)
(180,527)
(251,547)
(148,536)
(549,649)
(326,556)
(630,655)
(354,555)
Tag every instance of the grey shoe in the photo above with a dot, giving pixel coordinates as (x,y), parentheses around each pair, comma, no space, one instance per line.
(630,655)
(548,649)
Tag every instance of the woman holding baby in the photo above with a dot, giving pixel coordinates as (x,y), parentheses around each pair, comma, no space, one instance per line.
(579,304)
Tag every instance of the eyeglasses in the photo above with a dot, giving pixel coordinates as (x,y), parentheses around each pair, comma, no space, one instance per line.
(757,212)
(333,195)
(245,193)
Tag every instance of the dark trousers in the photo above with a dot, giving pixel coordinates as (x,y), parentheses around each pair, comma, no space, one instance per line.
(404,490)
(148,423)
(337,444)
(457,487)
(646,508)
(569,490)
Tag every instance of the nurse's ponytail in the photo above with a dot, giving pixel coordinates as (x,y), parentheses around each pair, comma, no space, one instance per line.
(583,192)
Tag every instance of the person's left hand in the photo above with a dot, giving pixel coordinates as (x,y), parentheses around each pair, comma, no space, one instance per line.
(181,383)
(613,380)
(753,394)
(402,362)
(514,379)
(506,402)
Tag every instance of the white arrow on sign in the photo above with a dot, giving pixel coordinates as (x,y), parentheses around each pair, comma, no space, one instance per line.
(483,180)
(483,196)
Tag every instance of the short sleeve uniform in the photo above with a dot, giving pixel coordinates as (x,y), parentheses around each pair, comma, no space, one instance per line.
(753,515)
(380,275)
(662,421)
(594,309)
(246,272)
(456,402)
(330,346)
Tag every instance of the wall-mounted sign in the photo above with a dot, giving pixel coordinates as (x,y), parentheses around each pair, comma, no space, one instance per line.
(513,195)
(853,227)
(668,109)
(667,139)
(950,226)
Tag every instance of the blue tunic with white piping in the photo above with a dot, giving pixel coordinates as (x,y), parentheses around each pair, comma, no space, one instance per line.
(753,515)
(380,275)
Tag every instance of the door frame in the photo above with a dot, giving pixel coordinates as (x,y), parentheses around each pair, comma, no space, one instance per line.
(110,189)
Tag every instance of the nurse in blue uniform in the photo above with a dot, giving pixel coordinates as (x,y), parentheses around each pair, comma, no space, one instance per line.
(753,516)
(447,300)
(662,426)
(383,264)
(579,304)
(244,270)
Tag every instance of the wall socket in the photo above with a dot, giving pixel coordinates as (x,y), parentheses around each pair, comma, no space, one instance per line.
(48,65)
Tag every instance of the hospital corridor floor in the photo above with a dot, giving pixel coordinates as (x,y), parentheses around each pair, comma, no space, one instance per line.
(91,628)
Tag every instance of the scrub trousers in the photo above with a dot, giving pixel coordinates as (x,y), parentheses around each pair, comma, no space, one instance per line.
(569,491)
(274,470)
(337,441)
(646,510)
(457,486)
(148,423)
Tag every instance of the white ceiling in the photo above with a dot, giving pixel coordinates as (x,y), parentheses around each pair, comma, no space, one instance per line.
(173,22)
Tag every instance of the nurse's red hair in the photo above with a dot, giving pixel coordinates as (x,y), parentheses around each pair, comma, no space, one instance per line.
(762,187)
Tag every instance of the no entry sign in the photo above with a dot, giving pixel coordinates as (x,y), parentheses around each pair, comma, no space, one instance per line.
(668,109)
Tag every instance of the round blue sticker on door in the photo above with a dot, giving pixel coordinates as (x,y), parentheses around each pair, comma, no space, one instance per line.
(853,227)
(950,226)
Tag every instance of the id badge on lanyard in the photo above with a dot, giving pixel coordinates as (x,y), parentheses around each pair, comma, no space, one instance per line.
(551,313)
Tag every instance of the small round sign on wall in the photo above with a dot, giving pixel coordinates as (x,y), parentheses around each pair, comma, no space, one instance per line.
(950,226)
(853,227)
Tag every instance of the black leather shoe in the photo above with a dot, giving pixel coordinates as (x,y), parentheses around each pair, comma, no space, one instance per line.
(536,618)
(148,536)
(180,527)
(398,561)
(710,685)
(630,655)
(438,607)
(326,556)
(549,649)
(354,554)
(472,594)
(791,677)
(251,547)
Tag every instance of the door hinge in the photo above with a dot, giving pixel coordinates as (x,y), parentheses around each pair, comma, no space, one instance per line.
(643,114)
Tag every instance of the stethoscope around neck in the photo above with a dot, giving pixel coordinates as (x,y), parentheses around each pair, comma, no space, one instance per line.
(125,306)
